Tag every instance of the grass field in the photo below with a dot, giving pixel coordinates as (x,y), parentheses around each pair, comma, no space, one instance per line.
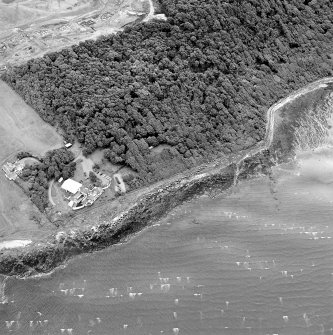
(20,129)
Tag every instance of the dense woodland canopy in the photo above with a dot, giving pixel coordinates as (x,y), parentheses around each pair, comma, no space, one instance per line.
(56,163)
(200,82)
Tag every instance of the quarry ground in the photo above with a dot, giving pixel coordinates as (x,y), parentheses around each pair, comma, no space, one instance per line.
(31,28)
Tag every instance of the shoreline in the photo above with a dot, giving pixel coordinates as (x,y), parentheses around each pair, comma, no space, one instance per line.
(150,205)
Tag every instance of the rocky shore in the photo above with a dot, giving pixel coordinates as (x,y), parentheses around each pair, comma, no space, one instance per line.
(44,256)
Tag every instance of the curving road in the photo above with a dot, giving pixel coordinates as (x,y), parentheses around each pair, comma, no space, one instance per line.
(274,108)
(265,144)
(271,111)
(50,192)
(138,201)
(151,12)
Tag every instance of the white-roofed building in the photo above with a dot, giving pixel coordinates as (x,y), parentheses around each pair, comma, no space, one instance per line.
(71,186)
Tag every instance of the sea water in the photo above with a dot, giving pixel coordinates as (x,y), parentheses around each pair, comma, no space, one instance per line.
(257,260)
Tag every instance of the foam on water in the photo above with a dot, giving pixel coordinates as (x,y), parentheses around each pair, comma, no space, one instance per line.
(257,261)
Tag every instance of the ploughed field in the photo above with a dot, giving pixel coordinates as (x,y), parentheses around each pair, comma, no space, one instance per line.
(21,129)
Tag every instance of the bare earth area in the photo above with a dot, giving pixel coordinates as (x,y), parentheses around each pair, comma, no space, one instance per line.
(31,28)
(21,129)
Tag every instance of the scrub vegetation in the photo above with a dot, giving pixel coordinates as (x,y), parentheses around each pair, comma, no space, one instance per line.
(199,82)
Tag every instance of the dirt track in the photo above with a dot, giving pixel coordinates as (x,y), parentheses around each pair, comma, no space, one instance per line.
(49,192)
(272,110)
(277,106)
(115,221)
(151,12)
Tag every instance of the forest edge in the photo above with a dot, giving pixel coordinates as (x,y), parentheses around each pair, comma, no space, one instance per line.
(143,208)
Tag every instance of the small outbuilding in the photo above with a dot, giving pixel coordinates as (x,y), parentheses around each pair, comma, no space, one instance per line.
(71,186)
(68,145)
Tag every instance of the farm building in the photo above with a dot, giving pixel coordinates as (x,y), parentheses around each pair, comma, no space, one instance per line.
(81,196)
(71,186)
(12,170)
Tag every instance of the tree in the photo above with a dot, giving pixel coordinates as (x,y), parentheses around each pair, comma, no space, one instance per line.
(92,176)
(23,154)
(54,164)
(211,70)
